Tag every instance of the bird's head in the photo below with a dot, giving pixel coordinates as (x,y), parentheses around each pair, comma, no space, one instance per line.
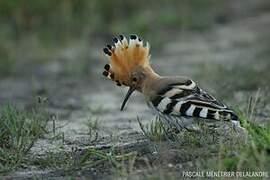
(129,63)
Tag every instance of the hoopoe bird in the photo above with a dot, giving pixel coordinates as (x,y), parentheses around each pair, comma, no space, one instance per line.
(170,97)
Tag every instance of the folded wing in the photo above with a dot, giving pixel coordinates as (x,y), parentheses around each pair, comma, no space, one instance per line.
(187,99)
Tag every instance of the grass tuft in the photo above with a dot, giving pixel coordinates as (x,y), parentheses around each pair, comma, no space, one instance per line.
(155,130)
(19,130)
(93,128)
(122,163)
(96,109)
(253,154)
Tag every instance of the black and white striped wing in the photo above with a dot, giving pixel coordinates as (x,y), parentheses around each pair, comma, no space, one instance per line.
(187,99)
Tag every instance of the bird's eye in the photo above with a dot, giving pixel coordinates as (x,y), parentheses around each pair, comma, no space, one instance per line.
(134,79)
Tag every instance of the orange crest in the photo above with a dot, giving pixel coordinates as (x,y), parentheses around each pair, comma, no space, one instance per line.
(124,57)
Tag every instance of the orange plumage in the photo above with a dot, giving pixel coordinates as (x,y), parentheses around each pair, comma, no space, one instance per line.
(124,56)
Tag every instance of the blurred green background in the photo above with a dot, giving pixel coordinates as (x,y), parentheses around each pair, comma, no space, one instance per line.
(56,21)
(41,26)
(34,31)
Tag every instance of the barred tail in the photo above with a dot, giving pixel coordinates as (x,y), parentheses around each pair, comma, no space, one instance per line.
(208,113)
(191,108)
(227,115)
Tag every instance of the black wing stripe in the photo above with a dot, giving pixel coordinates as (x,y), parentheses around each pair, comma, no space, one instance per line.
(185,107)
(204,104)
(171,86)
(223,113)
(186,83)
(234,117)
(211,111)
(170,106)
(196,112)
(163,91)
(226,115)
(181,95)
(157,100)
(211,114)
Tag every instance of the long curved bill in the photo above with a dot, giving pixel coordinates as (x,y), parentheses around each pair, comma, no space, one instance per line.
(130,91)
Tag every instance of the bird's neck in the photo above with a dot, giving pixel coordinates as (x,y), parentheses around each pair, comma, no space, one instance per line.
(151,77)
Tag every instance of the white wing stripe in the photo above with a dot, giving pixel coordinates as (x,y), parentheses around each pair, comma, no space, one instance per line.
(203,112)
(173,92)
(163,103)
(189,87)
(190,110)
(176,108)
